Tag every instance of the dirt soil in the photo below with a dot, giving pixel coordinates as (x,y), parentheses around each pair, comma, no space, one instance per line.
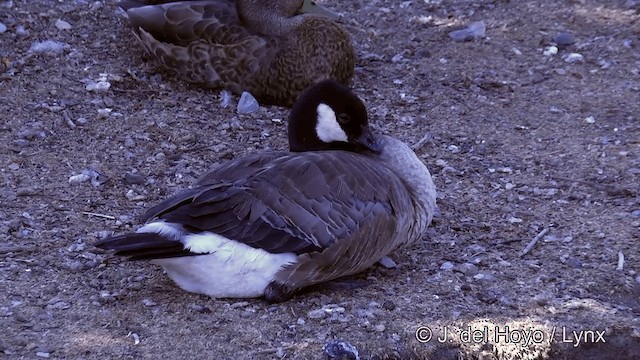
(522,146)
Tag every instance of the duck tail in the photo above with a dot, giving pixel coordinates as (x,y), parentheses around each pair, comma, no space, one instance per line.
(143,246)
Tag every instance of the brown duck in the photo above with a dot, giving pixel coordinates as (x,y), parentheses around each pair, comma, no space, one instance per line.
(272,49)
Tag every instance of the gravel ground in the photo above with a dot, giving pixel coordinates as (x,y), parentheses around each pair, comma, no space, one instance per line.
(524,143)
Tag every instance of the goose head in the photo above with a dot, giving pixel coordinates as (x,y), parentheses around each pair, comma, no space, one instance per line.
(328,116)
(277,17)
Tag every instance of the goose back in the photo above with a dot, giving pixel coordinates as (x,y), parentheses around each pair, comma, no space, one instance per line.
(297,203)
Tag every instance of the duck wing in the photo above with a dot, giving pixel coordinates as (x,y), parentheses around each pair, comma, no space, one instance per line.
(181,23)
(202,41)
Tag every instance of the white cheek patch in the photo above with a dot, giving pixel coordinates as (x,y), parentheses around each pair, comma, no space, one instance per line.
(327,128)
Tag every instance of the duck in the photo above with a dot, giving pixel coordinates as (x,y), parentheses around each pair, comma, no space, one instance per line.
(274,223)
(273,49)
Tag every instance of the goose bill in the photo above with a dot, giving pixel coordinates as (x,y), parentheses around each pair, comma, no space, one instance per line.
(368,140)
(310,7)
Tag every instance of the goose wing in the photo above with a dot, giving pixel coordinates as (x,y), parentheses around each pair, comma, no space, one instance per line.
(293,203)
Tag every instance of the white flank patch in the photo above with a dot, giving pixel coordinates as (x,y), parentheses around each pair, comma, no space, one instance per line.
(328,129)
(170,230)
(227,268)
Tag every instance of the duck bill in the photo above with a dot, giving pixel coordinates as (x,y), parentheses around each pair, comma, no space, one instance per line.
(368,140)
(310,7)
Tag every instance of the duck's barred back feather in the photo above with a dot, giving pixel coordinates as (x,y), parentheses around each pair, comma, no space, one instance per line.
(206,43)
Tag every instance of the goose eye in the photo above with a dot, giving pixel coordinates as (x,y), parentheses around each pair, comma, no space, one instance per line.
(344,118)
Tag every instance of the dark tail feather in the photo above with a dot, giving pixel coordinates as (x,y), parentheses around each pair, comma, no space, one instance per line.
(144,246)
(128,4)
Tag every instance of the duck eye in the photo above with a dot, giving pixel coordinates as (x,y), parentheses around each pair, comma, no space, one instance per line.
(344,118)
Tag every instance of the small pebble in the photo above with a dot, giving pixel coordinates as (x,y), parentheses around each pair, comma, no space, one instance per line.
(485,278)
(60,305)
(247,103)
(20,143)
(447,265)
(541,300)
(316,314)
(505,301)
(42,354)
(78,179)
(387,262)
(574,58)
(325,310)
(574,262)
(550,51)
(379,328)
(76,247)
(476,248)
(148,302)
(131,178)
(3,28)
(103,113)
(62,25)
(73,265)
(200,308)
(564,39)
(338,349)
(31,134)
(21,31)
(475,30)
(239,304)
(99,87)
(50,46)
(467,269)
(636,213)
(389,305)
(488,296)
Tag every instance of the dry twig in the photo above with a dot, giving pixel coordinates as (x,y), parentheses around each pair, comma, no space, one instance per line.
(620,261)
(99,215)
(422,141)
(533,242)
